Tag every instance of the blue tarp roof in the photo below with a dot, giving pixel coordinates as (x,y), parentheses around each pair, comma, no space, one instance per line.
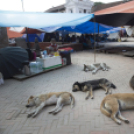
(41,20)
(32,37)
(86,28)
(51,21)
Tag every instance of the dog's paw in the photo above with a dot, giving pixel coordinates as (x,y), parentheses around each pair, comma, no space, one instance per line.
(34,115)
(127,121)
(119,122)
(92,97)
(86,98)
(29,115)
(50,112)
(54,113)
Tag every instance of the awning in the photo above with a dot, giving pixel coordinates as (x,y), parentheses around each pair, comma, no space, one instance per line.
(41,20)
(120,15)
(13,34)
(87,28)
(116,19)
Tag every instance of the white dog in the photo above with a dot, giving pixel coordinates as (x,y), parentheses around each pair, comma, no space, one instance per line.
(95,67)
(1,79)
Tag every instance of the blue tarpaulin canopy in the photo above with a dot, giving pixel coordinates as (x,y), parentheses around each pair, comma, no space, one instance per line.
(86,28)
(41,20)
(32,37)
(52,21)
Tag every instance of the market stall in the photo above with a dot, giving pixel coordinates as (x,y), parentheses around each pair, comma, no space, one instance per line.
(44,64)
(46,61)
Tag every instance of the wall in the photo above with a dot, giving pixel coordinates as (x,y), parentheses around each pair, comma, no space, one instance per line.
(3,37)
(78,6)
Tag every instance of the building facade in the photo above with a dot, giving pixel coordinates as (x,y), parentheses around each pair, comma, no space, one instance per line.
(73,6)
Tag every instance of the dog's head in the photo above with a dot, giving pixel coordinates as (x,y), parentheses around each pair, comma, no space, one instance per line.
(31,101)
(76,87)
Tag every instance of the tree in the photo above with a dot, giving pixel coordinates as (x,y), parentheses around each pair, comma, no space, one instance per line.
(98,3)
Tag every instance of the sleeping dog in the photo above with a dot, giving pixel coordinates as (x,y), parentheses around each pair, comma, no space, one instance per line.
(95,67)
(89,86)
(59,98)
(112,104)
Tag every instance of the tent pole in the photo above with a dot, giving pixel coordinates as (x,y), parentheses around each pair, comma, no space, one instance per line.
(94,42)
(98,34)
(28,45)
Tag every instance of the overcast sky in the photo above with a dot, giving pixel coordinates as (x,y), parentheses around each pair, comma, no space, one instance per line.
(35,5)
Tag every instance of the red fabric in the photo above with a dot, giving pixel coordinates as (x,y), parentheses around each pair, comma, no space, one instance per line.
(67,48)
(31,31)
(54,46)
(12,34)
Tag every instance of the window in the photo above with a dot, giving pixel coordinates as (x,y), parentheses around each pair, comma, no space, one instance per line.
(84,10)
(71,11)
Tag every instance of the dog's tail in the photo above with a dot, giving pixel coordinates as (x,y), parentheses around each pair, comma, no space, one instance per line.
(72,100)
(113,86)
(104,110)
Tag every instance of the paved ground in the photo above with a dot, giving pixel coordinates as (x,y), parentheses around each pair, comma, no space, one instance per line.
(85,118)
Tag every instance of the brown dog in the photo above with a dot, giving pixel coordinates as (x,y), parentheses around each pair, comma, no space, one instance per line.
(60,99)
(112,104)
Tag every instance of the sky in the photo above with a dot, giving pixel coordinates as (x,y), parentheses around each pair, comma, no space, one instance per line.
(35,5)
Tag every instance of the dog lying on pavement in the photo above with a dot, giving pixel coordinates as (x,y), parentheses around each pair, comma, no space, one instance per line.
(59,98)
(95,67)
(89,86)
(112,104)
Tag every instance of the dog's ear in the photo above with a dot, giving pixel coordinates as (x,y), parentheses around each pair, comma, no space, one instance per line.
(31,97)
(76,83)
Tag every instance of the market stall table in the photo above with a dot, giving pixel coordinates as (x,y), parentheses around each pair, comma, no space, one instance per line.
(23,76)
(46,64)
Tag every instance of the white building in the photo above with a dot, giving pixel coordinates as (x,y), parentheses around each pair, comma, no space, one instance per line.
(73,6)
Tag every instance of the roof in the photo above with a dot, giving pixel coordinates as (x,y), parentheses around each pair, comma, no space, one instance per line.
(12,34)
(127,7)
(103,6)
(57,8)
(31,31)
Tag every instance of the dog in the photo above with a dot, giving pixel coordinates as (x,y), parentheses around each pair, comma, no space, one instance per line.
(89,86)
(112,104)
(95,67)
(131,82)
(59,98)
